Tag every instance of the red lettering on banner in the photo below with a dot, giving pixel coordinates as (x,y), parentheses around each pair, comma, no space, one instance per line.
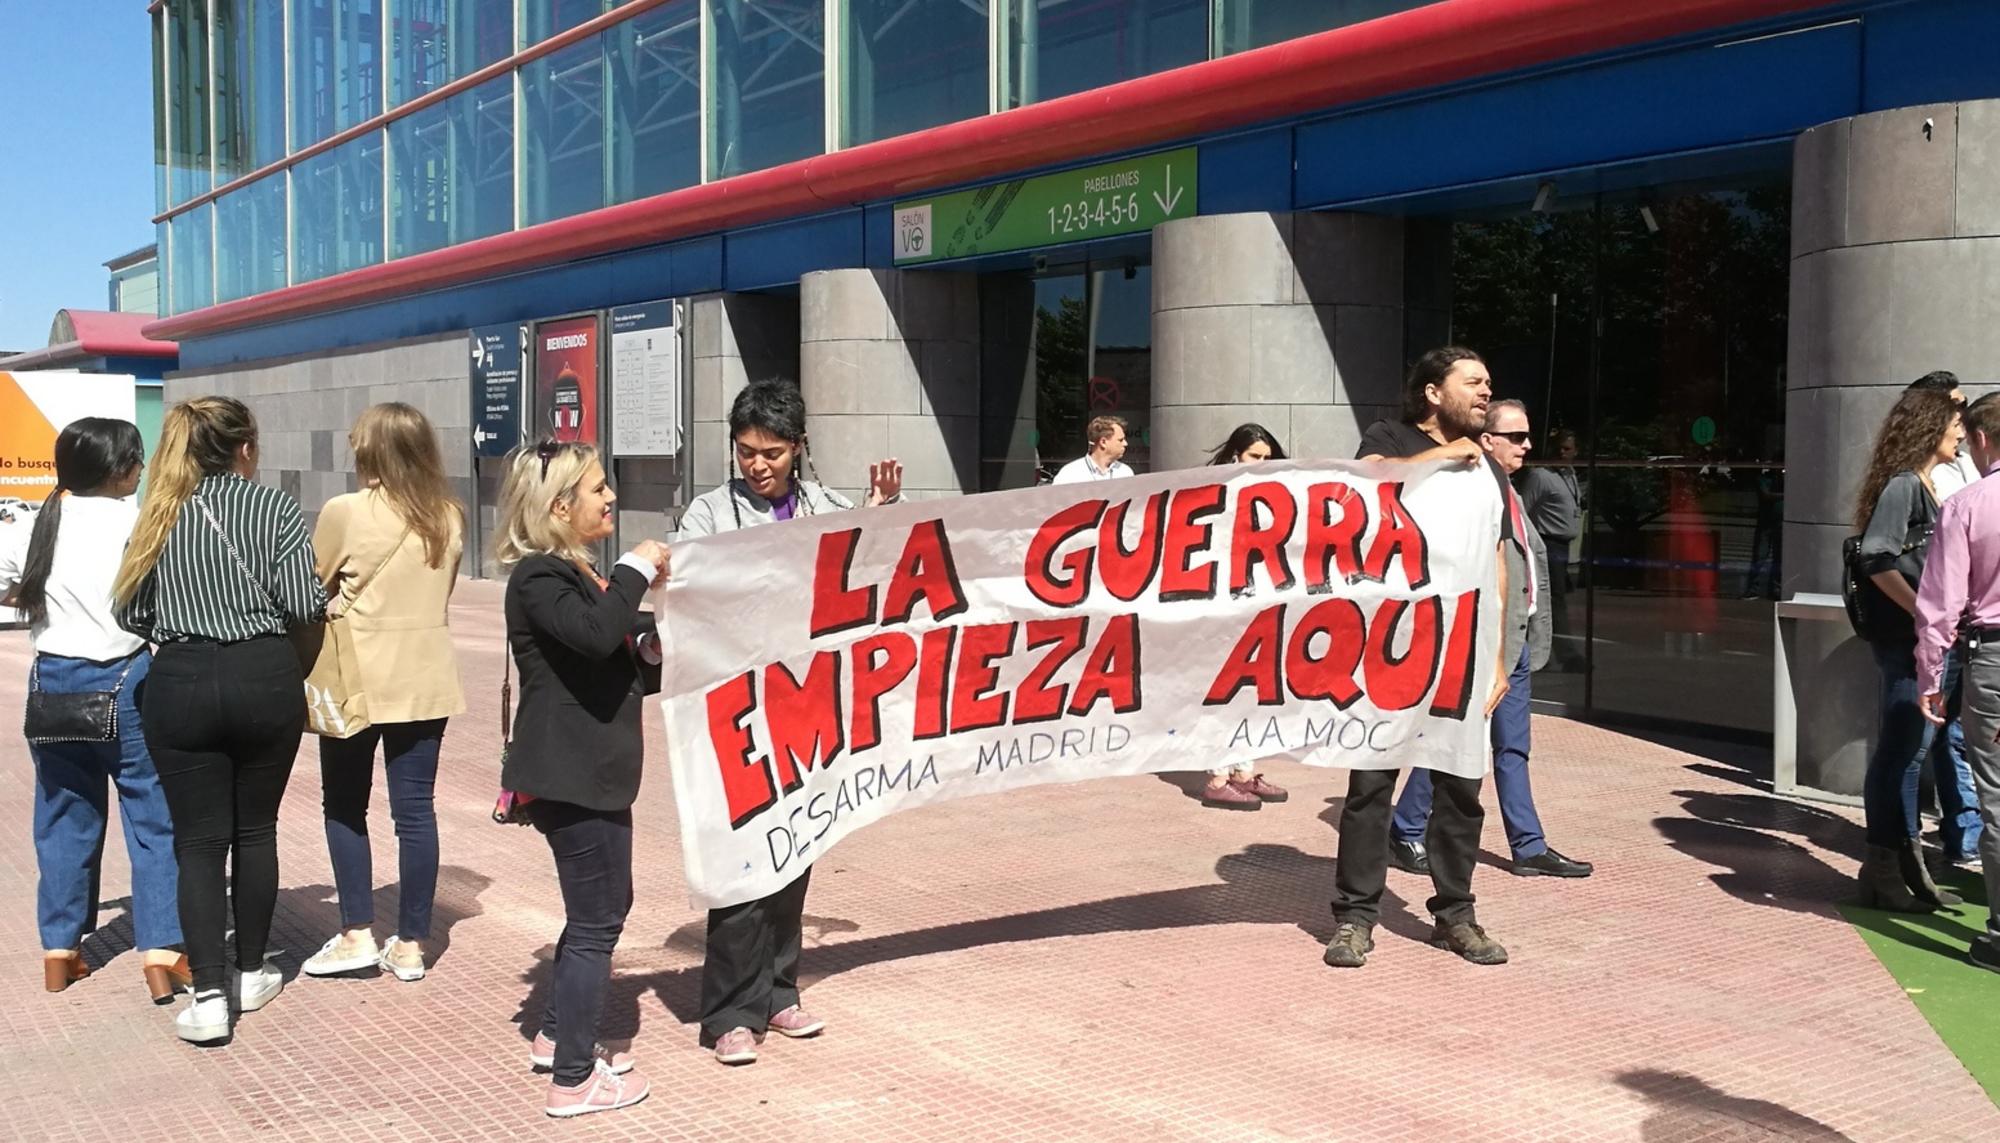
(1040,572)
(934,681)
(1454,689)
(973,707)
(1035,700)
(1265,516)
(1255,662)
(803,717)
(1333,545)
(1190,534)
(835,606)
(1111,670)
(1330,674)
(1397,535)
(1399,683)
(927,572)
(746,779)
(1127,574)
(873,679)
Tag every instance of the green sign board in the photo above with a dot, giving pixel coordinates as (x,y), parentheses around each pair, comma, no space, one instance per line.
(1126,197)
(1703,431)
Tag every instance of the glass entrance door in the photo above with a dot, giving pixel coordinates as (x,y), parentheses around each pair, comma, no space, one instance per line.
(1646,334)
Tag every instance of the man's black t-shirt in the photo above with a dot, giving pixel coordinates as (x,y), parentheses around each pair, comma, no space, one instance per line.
(1397,440)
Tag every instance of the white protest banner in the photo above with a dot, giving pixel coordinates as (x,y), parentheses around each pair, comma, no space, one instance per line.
(824,672)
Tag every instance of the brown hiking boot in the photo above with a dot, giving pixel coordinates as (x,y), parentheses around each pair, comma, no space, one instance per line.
(1469,941)
(1350,946)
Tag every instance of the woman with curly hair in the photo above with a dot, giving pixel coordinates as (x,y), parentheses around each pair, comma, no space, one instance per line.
(1895,511)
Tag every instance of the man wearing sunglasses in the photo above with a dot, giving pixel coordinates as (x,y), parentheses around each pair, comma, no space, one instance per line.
(1507,439)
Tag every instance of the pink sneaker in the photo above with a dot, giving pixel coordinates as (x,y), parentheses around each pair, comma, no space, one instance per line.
(797,1024)
(736,1046)
(542,1054)
(601,1092)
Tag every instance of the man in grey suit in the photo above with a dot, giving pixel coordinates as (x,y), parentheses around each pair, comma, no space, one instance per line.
(1525,634)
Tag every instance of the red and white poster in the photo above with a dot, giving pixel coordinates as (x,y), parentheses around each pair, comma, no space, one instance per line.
(827,671)
(566,391)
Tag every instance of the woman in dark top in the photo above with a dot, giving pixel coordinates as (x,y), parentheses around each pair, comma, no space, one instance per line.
(578,742)
(217,571)
(1895,511)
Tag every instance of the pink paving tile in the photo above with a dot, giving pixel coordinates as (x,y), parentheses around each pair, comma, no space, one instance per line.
(1097,961)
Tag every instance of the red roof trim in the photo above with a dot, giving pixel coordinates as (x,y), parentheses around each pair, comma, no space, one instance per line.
(104,333)
(1446,42)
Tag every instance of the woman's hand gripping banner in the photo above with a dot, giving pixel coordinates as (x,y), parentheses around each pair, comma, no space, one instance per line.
(823,673)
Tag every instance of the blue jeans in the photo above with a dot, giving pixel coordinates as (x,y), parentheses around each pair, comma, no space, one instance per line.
(1958,802)
(71,807)
(1510,777)
(1889,788)
(347,771)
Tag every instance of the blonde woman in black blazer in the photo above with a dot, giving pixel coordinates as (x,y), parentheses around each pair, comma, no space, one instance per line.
(578,744)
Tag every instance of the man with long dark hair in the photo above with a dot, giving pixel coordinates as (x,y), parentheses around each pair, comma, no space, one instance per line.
(1444,408)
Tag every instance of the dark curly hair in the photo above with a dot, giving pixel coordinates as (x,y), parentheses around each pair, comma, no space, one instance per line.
(1908,439)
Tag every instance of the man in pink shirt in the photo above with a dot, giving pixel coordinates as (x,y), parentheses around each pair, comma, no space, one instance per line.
(1959,597)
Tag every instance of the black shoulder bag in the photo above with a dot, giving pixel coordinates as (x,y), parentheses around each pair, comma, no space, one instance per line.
(1873,615)
(85,716)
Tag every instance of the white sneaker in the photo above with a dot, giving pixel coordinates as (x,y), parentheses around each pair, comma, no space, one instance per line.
(258,987)
(406,973)
(330,960)
(205,1019)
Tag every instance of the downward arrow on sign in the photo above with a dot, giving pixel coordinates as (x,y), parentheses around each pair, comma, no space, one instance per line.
(1173,198)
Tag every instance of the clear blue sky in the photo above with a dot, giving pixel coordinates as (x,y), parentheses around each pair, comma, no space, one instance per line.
(76,155)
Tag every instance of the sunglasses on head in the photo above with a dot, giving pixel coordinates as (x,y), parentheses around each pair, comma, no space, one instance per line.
(1519,438)
(547,450)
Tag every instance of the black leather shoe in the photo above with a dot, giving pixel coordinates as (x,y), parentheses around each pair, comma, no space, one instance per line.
(1982,954)
(1549,863)
(1409,856)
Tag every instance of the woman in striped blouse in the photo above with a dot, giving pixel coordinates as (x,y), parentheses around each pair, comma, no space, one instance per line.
(217,571)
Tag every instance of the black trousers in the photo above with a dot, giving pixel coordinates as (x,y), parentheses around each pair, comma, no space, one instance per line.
(223,723)
(752,971)
(593,852)
(1453,842)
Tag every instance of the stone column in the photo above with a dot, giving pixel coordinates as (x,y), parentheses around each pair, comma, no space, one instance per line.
(1294,321)
(1895,271)
(889,363)
(737,339)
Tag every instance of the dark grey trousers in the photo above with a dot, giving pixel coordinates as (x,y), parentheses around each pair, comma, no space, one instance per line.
(1979,715)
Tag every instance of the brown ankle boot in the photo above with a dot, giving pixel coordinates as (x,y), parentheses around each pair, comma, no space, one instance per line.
(1881,883)
(1917,877)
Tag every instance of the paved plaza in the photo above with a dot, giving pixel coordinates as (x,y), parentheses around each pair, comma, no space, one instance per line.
(1103,961)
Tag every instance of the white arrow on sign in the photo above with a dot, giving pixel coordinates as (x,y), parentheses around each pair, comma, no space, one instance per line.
(480,436)
(1173,198)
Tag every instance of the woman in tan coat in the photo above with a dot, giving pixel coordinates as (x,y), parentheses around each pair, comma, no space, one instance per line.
(388,556)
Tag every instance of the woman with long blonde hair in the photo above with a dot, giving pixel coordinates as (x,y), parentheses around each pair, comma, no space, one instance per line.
(218,570)
(388,557)
(586,665)
(1895,510)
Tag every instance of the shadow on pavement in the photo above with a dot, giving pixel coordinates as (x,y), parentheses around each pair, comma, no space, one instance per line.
(1741,833)
(1687,1107)
(308,914)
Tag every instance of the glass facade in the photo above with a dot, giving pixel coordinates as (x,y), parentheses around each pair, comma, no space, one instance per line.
(766,83)
(655,61)
(1646,335)
(911,65)
(249,86)
(432,42)
(452,170)
(1060,47)
(562,133)
(250,240)
(337,210)
(1244,24)
(658,100)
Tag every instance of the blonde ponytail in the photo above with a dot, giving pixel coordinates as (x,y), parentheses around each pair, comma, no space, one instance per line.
(197,438)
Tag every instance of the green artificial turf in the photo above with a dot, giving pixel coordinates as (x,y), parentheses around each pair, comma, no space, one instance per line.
(1926,955)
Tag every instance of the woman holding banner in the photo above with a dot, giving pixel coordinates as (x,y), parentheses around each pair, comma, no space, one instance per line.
(1240,788)
(573,765)
(750,982)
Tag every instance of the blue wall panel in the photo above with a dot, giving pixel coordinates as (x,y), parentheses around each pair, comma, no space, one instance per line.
(1934,52)
(1678,101)
(765,257)
(1245,173)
